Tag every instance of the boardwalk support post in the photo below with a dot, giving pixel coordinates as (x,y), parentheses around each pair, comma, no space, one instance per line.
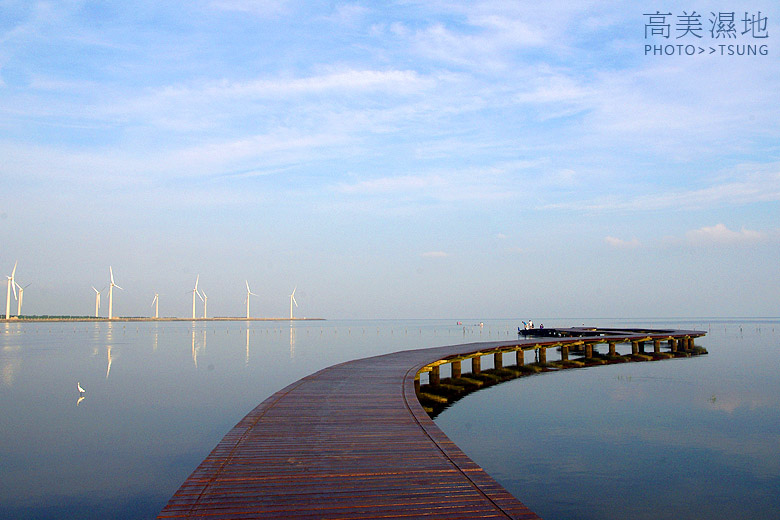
(588,350)
(498,360)
(564,352)
(455,369)
(543,355)
(520,357)
(434,378)
(476,365)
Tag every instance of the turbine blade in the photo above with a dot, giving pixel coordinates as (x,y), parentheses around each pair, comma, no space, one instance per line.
(115,285)
(111,271)
(247,286)
(196,282)
(93,288)
(14,271)
(13,286)
(199,296)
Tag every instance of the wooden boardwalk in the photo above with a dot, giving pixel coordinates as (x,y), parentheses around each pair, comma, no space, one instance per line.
(350,442)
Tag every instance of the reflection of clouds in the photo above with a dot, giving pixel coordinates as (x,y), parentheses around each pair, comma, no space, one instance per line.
(727,405)
(752,453)
(731,403)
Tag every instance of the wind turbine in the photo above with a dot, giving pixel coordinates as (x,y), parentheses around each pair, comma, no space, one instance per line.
(97,301)
(156,305)
(111,296)
(248,294)
(21,295)
(11,285)
(194,292)
(292,300)
(205,303)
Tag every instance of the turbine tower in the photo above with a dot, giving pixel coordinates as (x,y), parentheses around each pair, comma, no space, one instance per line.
(292,300)
(111,294)
(194,292)
(11,286)
(248,294)
(156,305)
(21,296)
(205,303)
(97,301)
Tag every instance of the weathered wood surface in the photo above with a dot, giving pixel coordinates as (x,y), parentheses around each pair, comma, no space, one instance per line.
(349,442)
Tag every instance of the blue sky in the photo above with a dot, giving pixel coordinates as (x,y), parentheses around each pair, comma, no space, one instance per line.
(399,159)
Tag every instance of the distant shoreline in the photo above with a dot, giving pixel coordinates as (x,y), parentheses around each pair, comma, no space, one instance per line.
(125,319)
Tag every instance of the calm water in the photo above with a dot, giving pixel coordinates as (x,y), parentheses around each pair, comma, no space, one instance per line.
(685,438)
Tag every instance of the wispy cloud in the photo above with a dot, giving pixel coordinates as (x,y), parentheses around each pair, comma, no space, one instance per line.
(434,254)
(719,234)
(264,8)
(619,243)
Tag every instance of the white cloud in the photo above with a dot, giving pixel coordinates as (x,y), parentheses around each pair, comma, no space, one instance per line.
(263,8)
(743,184)
(388,185)
(622,244)
(721,235)
(434,254)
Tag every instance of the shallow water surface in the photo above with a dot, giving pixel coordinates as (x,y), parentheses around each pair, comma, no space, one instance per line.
(685,438)
(680,438)
(158,397)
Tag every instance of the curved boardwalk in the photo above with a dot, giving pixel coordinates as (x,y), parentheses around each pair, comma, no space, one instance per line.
(351,441)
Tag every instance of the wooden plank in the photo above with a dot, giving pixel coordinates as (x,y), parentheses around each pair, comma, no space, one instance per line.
(353,442)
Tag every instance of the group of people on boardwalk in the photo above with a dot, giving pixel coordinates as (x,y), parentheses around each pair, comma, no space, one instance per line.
(527,326)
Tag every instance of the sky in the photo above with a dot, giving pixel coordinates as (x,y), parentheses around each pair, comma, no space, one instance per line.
(398,159)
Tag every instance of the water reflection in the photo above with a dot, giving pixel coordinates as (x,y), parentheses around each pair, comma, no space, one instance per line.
(110,360)
(246,360)
(706,424)
(48,447)
(292,341)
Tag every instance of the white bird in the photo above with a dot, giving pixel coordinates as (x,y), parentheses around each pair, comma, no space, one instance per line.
(78,385)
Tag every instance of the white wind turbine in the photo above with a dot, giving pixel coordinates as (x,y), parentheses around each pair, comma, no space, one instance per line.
(156,305)
(21,296)
(248,294)
(111,294)
(205,303)
(11,286)
(292,300)
(97,301)
(194,292)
